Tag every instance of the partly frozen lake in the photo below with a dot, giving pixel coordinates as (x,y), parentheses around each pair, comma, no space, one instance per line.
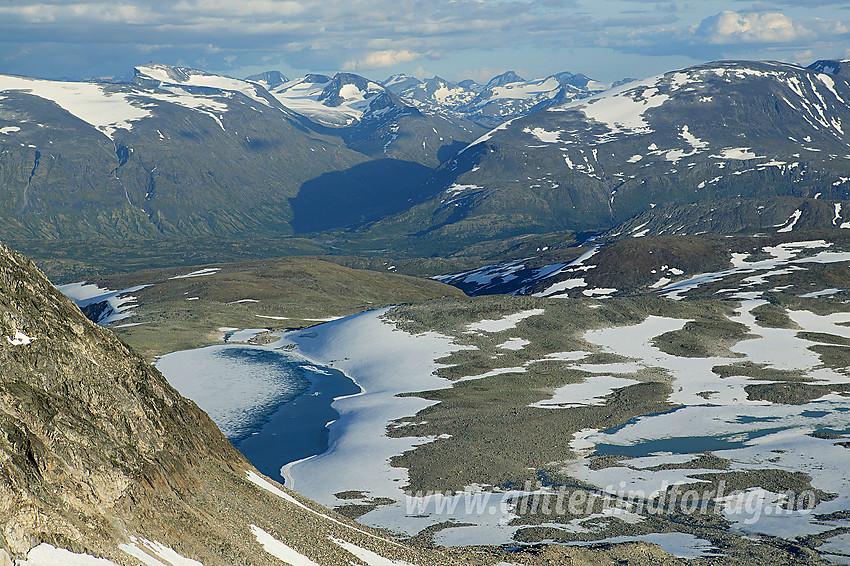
(272,405)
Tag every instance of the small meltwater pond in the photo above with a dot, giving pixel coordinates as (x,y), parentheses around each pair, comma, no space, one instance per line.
(273,406)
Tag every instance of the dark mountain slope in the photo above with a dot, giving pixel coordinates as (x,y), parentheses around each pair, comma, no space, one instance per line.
(708,133)
(115,161)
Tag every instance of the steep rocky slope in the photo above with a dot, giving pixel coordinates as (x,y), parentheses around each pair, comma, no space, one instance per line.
(101,456)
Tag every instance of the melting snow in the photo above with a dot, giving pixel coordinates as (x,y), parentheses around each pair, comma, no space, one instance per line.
(457,189)
(822,293)
(683,545)
(514,344)
(543,135)
(48,555)
(245,335)
(279,550)
(20,339)
(738,153)
(488,135)
(591,391)
(569,356)
(149,553)
(358,437)
(598,291)
(203,79)
(760,435)
(367,556)
(199,273)
(622,109)
(561,286)
(119,303)
(492,373)
(262,483)
(782,255)
(204,104)
(502,324)
(91,103)
(792,221)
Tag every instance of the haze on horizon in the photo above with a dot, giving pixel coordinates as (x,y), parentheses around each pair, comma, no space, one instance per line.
(606,40)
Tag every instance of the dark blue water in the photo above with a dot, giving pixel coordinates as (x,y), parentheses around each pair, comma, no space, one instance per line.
(814,414)
(685,444)
(614,430)
(747,419)
(297,430)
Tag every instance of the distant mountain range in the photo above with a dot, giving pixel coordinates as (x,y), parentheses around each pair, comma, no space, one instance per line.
(181,152)
(660,156)
(409,164)
(506,96)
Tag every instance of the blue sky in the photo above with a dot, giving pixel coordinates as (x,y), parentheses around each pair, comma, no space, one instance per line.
(604,39)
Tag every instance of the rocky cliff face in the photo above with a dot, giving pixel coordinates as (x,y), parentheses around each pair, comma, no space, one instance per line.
(100,456)
(91,437)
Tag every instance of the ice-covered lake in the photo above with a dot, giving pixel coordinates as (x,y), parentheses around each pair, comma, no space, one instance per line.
(272,405)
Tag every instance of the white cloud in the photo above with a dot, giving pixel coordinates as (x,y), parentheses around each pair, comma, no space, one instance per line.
(732,27)
(87,11)
(243,8)
(381,59)
(483,75)
(65,38)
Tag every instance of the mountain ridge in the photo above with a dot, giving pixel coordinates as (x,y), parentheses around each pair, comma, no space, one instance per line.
(182,152)
(719,131)
(196,154)
(504,97)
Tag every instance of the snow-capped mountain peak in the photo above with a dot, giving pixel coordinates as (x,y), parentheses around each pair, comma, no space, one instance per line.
(269,79)
(349,89)
(185,80)
(504,79)
(504,97)
(340,101)
(400,82)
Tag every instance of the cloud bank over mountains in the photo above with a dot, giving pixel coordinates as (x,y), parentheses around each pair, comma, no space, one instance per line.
(603,39)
